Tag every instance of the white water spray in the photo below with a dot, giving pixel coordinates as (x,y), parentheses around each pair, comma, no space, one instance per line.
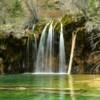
(62,67)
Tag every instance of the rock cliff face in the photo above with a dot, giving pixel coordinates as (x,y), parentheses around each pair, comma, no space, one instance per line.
(14,40)
(57,8)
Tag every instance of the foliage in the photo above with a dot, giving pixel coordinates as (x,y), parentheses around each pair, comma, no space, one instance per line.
(16,9)
(9,9)
(94,9)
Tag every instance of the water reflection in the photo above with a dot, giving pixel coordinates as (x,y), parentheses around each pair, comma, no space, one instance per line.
(41,94)
(61,86)
(51,86)
(71,86)
(63,89)
(56,88)
(45,89)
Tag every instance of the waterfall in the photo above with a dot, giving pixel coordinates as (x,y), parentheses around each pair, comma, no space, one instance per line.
(40,56)
(30,52)
(44,62)
(72,52)
(49,49)
(27,54)
(62,67)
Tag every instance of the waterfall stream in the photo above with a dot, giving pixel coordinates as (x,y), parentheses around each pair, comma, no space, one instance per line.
(44,61)
(40,56)
(49,49)
(62,68)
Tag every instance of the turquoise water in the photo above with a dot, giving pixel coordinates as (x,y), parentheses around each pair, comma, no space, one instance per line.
(49,87)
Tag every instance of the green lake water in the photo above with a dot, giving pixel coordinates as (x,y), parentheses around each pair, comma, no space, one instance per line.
(49,87)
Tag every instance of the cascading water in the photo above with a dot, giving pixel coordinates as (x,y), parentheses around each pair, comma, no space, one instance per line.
(40,64)
(44,61)
(49,50)
(62,64)
(30,53)
(27,54)
(72,52)
(34,48)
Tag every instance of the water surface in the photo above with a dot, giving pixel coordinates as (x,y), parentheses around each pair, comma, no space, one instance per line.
(49,87)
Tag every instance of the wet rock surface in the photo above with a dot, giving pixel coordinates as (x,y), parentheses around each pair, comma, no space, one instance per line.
(13,47)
